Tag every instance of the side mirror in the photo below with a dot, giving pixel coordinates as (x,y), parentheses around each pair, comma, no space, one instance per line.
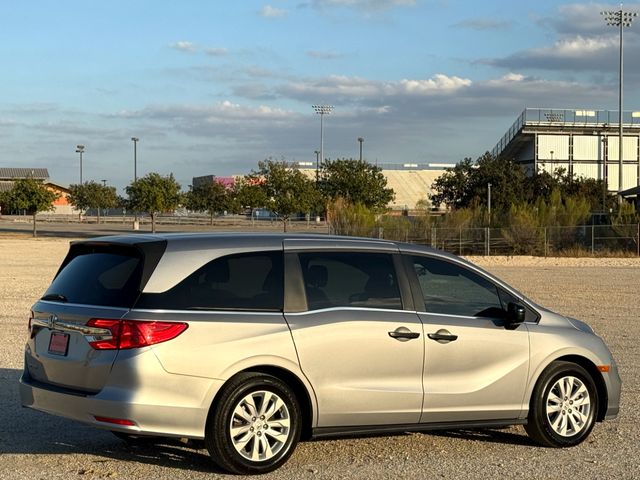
(515,314)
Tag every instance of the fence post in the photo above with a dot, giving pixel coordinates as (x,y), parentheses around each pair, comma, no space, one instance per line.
(638,241)
(545,242)
(433,237)
(593,227)
(487,240)
(460,243)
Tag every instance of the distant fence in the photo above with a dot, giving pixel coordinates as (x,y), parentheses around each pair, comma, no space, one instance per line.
(540,241)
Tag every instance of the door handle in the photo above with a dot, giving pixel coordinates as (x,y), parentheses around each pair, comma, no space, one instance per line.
(403,334)
(442,336)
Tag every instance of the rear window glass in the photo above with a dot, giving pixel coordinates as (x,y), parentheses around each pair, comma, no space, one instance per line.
(248,281)
(99,278)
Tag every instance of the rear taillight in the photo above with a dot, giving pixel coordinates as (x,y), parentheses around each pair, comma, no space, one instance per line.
(126,334)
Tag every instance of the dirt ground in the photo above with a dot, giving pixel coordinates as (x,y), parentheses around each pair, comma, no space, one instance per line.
(602,292)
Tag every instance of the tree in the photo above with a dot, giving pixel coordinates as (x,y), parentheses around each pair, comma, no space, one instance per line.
(287,191)
(154,193)
(30,195)
(210,197)
(92,195)
(247,192)
(357,181)
(466,184)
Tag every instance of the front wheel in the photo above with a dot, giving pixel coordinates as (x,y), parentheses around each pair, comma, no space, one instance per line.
(256,424)
(563,406)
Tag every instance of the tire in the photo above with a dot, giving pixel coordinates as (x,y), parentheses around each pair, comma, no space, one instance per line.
(563,406)
(266,419)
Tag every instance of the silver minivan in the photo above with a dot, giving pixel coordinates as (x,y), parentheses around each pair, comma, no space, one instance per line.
(253,342)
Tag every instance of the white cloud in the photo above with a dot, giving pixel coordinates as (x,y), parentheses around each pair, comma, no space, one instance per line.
(183,46)
(322,55)
(574,53)
(484,24)
(216,51)
(436,84)
(272,12)
(355,89)
(364,5)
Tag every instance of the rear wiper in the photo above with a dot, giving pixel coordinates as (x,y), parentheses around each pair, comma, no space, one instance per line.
(54,296)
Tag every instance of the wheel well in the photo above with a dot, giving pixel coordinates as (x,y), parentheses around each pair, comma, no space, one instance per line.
(290,379)
(588,365)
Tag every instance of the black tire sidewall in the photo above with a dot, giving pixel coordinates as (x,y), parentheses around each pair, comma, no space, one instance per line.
(222,445)
(560,371)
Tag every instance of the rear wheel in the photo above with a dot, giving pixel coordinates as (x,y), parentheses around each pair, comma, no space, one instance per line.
(563,406)
(255,426)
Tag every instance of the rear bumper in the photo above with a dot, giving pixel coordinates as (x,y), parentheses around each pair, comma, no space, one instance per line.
(139,390)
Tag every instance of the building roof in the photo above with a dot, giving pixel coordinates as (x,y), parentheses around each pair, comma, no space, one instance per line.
(5,186)
(10,173)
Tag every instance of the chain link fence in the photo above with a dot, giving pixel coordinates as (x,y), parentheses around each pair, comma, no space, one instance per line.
(540,241)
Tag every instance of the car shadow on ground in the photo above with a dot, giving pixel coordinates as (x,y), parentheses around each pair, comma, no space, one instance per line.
(26,431)
(490,435)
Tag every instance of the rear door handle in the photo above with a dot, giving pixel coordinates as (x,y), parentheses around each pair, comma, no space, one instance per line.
(442,336)
(403,334)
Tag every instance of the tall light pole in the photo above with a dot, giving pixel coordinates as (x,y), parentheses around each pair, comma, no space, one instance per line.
(135,141)
(619,19)
(317,152)
(489,201)
(360,140)
(80,150)
(322,110)
(104,182)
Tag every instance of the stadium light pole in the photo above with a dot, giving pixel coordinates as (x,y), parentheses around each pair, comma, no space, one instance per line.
(80,150)
(360,140)
(322,110)
(135,141)
(619,19)
(317,152)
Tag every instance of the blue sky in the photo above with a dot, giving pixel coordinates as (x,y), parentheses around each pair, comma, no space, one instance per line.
(212,87)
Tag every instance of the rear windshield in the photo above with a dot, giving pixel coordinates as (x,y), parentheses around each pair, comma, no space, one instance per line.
(104,277)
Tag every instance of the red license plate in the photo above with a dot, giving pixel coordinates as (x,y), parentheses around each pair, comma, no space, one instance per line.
(59,343)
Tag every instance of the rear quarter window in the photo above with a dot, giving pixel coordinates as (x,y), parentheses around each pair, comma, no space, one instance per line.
(247,281)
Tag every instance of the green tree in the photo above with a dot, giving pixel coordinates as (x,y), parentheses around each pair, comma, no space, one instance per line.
(154,193)
(466,184)
(30,195)
(247,193)
(92,195)
(358,182)
(210,197)
(287,191)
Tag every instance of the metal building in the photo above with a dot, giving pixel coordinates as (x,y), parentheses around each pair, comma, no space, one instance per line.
(583,142)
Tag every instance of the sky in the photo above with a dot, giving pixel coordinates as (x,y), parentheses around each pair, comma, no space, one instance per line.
(213,87)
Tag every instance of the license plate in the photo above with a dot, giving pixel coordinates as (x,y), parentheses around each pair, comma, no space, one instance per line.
(59,343)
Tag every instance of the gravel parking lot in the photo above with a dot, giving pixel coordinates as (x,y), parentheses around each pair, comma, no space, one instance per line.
(603,292)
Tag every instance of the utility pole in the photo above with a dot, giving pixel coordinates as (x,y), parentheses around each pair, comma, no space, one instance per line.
(360,140)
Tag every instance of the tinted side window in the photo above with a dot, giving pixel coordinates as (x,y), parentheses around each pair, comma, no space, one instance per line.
(250,281)
(353,279)
(450,289)
(103,278)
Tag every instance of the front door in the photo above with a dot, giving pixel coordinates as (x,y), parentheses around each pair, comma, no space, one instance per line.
(475,368)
